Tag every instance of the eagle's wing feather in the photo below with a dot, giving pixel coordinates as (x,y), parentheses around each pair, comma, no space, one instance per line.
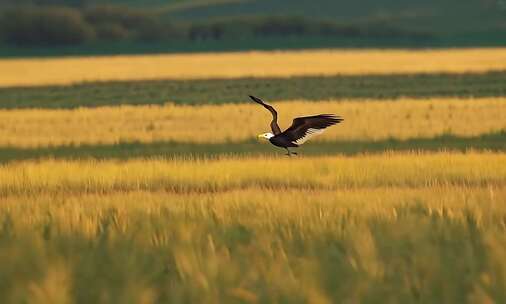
(274,123)
(303,128)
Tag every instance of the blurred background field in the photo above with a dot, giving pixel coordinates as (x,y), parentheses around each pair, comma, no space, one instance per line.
(226,91)
(136,178)
(87,27)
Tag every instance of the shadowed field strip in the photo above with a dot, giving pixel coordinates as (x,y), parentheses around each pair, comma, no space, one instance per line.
(364,120)
(64,71)
(218,91)
(487,142)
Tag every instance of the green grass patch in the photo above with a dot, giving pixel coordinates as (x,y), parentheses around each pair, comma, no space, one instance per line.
(481,39)
(218,91)
(492,142)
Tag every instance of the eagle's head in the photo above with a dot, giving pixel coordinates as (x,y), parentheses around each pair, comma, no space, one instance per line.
(265,136)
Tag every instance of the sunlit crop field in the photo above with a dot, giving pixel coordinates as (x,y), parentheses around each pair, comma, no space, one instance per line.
(226,173)
(414,227)
(36,72)
(364,120)
(158,192)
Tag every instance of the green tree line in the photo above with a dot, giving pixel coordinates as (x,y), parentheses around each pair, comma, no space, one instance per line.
(59,25)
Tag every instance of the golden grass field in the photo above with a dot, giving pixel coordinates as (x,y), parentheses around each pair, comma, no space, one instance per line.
(227,173)
(410,226)
(420,226)
(364,120)
(62,71)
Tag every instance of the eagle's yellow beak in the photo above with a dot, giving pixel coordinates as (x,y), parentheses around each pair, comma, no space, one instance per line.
(261,137)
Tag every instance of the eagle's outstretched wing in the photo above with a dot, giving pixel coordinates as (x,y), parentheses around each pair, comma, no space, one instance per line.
(274,123)
(303,128)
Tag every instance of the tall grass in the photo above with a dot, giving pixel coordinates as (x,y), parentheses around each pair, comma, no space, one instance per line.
(387,228)
(64,71)
(363,120)
(226,173)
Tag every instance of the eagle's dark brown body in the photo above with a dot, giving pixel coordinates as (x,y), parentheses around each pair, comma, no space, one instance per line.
(302,128)
(282,141)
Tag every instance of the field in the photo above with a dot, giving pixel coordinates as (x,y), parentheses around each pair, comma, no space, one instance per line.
(146,185)
(413,227)
(61,71)
(400,119)
(179,26)
(232,91)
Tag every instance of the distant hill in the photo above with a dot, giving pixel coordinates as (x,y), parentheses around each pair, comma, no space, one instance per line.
(130,26)
(427,15)
(436,15)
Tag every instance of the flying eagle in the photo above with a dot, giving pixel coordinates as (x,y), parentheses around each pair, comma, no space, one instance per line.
(302,128)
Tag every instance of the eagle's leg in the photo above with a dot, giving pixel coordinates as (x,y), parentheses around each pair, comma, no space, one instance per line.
(289,153)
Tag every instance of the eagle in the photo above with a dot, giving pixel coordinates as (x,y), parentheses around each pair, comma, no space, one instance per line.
(302,128)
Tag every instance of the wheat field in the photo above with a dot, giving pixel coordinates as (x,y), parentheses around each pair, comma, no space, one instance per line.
(415,227)
(226,173)
(424,223)
(65,71)
(364,120)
